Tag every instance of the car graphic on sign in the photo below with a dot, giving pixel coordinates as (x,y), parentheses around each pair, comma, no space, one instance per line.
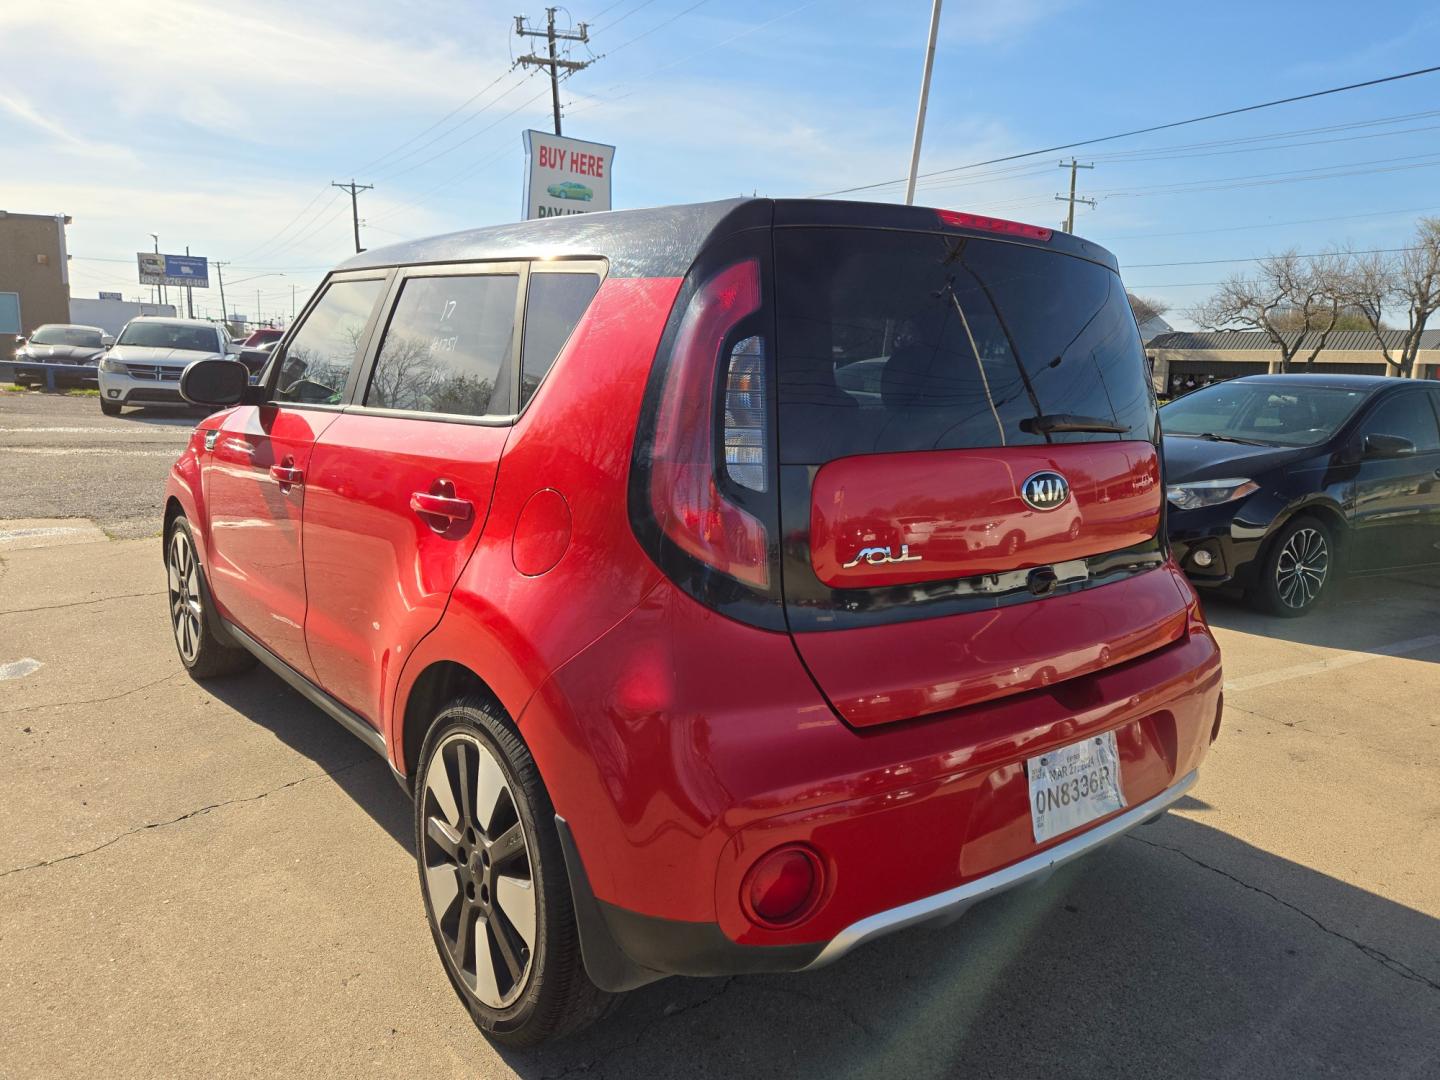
(569,189)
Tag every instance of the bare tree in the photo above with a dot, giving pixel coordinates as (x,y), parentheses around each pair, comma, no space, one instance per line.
(1146,308)
(1291,299)
(1409,281)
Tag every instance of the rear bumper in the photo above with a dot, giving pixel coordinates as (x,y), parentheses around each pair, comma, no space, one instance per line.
(624,949)
(674,780)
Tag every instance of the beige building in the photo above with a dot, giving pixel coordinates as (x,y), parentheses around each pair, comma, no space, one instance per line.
(1183,361)
(33,264)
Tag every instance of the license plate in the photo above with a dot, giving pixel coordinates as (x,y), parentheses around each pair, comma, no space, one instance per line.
(1073,785)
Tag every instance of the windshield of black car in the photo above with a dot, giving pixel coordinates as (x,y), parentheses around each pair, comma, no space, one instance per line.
(892,341)
(158,335)
(76,336)
(1264,413)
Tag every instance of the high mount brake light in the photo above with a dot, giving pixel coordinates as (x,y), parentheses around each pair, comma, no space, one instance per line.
(961,220)
(684,497)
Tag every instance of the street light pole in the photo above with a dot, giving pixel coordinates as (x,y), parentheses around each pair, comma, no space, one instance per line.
(924,100)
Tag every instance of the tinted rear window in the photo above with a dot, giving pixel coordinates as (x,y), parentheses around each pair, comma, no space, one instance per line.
(553,309)
(892,341)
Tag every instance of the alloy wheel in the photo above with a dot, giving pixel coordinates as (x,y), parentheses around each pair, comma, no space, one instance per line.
(478,870)
(185,608)
(1302,567)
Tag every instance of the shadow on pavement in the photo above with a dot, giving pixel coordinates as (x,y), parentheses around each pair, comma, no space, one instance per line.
(260,696)
(1178,951)
(1364,614)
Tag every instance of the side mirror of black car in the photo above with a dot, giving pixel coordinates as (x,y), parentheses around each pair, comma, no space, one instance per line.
(214,382)
(1388,446)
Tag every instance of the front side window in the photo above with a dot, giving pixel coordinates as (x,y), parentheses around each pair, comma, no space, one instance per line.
(1408,415)
(448,347)
(552,310)
(325,349)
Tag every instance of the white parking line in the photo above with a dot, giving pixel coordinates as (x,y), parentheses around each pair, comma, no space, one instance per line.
(1331,663)
(66,451)
(18,669)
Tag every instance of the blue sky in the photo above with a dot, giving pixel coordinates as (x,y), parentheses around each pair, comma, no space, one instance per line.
(221,125)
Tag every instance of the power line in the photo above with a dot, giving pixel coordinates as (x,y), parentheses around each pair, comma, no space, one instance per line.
(1279,224)
(553,63)
(647,33)
(355,190)
(1262,258)
(458,108)
(1146,130)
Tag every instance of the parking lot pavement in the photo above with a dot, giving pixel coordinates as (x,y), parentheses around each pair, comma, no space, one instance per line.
(218,881)
(63,459)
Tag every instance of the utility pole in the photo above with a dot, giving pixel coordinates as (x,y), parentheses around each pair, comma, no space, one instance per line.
(292,303)
(160,288)
(220,279)
(189,295)
(1072,199)
(258,320)
(553,62)
(924,100)
(354,189)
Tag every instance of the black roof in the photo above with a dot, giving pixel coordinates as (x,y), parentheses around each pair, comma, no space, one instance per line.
(1340,382)
(1339,341)
(664,241)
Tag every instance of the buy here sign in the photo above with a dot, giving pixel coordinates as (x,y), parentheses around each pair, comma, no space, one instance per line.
(565,176)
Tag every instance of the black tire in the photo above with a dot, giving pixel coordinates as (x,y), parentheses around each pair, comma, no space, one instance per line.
(1299,564)
(203,653)
(472,868)
(109,408)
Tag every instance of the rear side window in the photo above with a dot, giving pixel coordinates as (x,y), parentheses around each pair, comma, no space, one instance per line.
(1408,415)
(894,341)
(553,308)
(323,351)
(448,347)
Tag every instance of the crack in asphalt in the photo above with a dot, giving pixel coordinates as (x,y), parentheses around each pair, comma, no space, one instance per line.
(1398,967)
(80,603)
(187,816)
(584,1067)
(91,701)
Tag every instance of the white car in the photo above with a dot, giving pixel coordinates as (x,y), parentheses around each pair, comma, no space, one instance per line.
(145,363)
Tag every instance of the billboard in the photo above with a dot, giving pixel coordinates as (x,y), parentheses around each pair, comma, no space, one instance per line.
(565,176)
(157,269)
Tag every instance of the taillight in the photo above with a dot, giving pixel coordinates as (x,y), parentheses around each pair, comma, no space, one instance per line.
(961,220)
(685,499)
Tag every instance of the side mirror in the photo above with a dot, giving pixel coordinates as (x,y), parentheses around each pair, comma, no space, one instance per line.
(1387,446)
(20,342)
(107,341)
(214,382)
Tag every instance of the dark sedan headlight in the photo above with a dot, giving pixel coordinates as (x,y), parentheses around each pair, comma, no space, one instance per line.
(1203,493)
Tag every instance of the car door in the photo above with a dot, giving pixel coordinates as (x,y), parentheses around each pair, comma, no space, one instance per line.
(1397,499)
(400,485)
(255,471)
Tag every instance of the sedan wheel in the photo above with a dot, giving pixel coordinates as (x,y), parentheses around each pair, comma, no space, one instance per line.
(1302,568)
(477,867)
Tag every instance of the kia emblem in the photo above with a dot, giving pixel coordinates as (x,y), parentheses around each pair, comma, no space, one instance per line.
(1045,491)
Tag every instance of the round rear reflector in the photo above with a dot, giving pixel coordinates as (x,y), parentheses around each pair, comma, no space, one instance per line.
(783,886)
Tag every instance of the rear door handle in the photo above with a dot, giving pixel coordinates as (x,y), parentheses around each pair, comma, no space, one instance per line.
(287,474)
(441,506)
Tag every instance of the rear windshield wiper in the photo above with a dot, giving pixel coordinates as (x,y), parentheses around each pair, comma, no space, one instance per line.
(1053,422)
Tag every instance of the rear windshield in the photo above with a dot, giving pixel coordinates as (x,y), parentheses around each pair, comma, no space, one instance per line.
(893,341)
(159,335)
(79,336)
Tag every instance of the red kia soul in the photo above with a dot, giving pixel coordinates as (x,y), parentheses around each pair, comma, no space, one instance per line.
(729,584)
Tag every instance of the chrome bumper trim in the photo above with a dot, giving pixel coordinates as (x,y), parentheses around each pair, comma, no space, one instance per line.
(954,901)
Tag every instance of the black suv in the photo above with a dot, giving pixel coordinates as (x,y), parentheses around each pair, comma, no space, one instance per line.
(1273,480)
